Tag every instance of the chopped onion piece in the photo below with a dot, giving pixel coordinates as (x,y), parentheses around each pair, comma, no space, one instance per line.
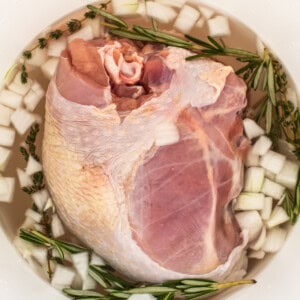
(186,19)
(33,166)
(97,260)
(272,189)
(24,179)
(49,67)
(28,223)
(254,179)
(218,26)
(33,98)
(97,28)
(33,215)
(250,201)
(206,12)
(162,13)
(62,277)
(7,136)
(7,189)
(89,283)
(5,114)
(57,227)
(200,23)
(39,228)
(288,175)
(272,161)
(39,56)
(141,297)
(40,199)
(22,120)
(172,3)
(18,87)
(81,264)
(166,134)
(267,209)
(55,47)
(5,155)
(275,240)
(262,145)
(85,33)
(124,7)
(24,247)
(49,204)
(252,129)
(256,254)
(10,99)
(250,221)
(40,254)
(278,216)
(257,244)
(270,175)
(260,47)
(252,160)
(141,9)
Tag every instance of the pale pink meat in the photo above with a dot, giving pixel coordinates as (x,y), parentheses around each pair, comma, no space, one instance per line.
(154,213)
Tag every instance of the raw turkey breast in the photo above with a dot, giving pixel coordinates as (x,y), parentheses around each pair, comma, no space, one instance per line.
(153,211)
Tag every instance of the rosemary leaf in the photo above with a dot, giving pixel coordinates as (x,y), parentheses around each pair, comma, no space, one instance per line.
(74,25)
(130,35)
(56,34)
(197,282)
(42,43)
(258,75)
(27,54)
(271,83)
(269,116)
(194,290)
(94,273)
(24,74)
(199,42)
(108,16)
(82,293)
(154,290)
(215,43)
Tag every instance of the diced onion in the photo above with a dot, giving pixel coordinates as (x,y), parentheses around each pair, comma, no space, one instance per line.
(40,199)
(272,161)
(252,129)
(186,19)
(124,7)
(267,209)
(252,160)
(81,263)
(34,96)
(270,175)
(7,188)
(200,23)
(257,244)
(254,179)
(218,26)
(97,260)
(28,223)
(89,283)
(206,12)
(49,67)
(39,228)
(57,227)
(5,114)
(162,13)
(33,215)
(33,166)
(172,3)
(49,204)
(40,254)
(256,254)
(274,240)
(97,28)
(39,56)
(141,9)
(24,179)
(24,247)
(18,87)
(85,33)
(62,277)
(166,134)
(10,99)
(22,120)
(288,175)
(250,201)
(278,216)
(5,155)
(7,136)
(272,189)
(55,47)
(262,145)
(250,221)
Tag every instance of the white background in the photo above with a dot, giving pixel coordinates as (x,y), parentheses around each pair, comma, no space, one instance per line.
(278,24)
